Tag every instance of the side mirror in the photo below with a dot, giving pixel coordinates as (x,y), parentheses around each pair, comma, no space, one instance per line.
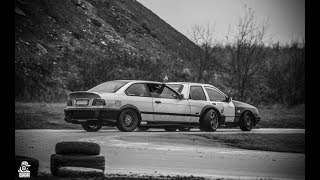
(229,99)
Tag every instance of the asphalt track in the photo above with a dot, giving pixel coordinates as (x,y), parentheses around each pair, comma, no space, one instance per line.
(158,158)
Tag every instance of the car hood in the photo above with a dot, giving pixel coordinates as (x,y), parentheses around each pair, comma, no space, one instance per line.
(241,104)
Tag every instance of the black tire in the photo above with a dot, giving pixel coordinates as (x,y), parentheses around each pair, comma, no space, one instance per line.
(57,161)
(210,121)
(184,129)
(77,148)
(73,172)
(201,128)
(170,129)
(128,120)
(33,168)
(246,121)
(91,127)
(142,129)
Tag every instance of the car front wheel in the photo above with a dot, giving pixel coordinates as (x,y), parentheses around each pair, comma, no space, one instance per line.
(210,121)
(128,120)
(246,121)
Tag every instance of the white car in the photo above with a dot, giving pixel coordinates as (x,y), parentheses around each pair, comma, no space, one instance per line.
(131,104)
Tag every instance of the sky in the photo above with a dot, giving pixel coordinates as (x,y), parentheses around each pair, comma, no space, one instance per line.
(286,18)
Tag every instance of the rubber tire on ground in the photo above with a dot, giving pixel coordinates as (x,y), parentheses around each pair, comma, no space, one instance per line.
(170,129)
(77,148)
(208,123)
(57,161)
(184,129)
(243,125)
(88,127)
(142,129)
(73,172)
(33,168)
(121,124)
(201,128)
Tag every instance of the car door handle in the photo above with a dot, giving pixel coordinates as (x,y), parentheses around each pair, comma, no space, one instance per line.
(158,102)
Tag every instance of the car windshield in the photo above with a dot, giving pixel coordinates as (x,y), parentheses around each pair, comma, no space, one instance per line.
(176,87)
(108,87)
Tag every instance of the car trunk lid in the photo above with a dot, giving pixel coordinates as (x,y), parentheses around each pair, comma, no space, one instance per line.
(83,95)
(82,98)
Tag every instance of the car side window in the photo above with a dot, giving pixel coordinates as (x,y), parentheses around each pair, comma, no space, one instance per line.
(137,90)
(196,93)
(161,91)
(215,95)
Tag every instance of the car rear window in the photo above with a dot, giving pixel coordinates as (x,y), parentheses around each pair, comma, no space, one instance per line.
(108,87)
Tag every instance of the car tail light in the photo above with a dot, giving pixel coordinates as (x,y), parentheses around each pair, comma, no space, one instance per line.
(98,102)
(69,102)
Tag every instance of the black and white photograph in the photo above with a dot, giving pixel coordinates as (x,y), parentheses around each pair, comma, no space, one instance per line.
(159,89)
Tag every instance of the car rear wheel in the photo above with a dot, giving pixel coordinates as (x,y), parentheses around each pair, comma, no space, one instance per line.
(246,121)
(170,129)
(91,127)
(210,121)
(128,120)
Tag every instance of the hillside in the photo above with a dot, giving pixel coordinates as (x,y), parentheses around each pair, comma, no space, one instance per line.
(69,45)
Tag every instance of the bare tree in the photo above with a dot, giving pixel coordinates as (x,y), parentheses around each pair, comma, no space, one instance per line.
(204,59)
(248,52)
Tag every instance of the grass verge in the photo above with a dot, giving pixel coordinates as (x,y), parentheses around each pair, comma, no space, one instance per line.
(41,116)
(278,116)
(267,142)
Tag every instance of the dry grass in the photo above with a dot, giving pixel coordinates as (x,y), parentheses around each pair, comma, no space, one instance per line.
(267,142)
(278,116)
(41,116)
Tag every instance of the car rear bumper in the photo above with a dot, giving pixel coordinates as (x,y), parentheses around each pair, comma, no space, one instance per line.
(83,115)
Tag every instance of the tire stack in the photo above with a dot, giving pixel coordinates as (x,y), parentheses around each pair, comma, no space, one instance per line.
(77,159)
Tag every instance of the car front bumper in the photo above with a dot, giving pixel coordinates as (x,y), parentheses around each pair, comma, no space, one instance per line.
(257,119)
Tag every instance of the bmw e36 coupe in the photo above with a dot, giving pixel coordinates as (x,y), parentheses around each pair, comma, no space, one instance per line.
(137,104)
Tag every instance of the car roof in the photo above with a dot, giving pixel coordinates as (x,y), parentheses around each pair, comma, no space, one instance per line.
(190,83)
(139,81)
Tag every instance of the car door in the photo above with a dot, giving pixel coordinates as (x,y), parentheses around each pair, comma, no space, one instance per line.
(139,96)
(167,105)
(215,96)
(197,100)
